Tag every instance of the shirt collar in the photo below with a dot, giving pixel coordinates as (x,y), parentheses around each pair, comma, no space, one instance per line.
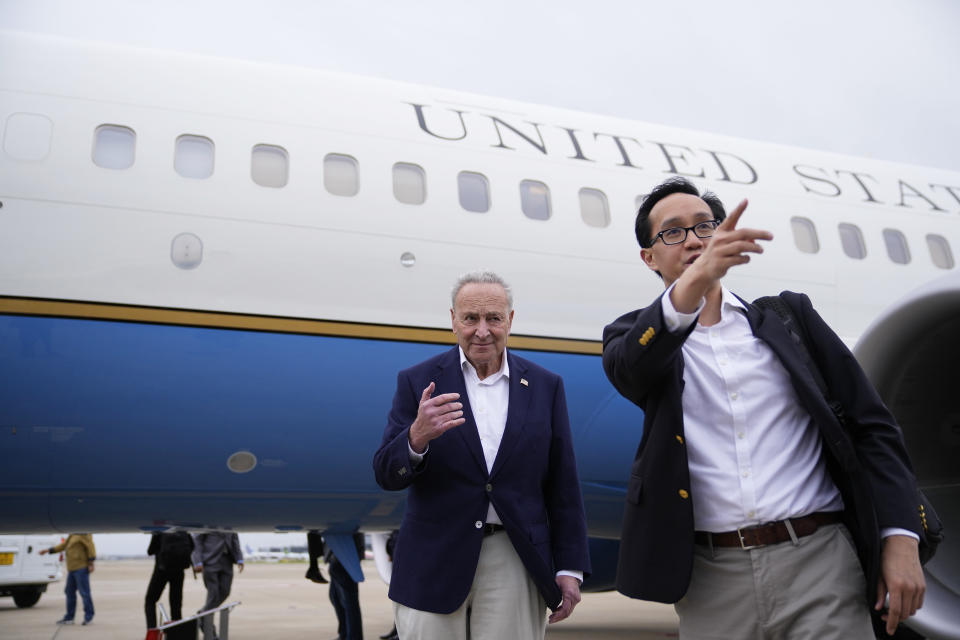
(466,366)
(730,300)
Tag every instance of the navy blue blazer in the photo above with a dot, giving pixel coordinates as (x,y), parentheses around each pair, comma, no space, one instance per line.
(865,457)
(533,486)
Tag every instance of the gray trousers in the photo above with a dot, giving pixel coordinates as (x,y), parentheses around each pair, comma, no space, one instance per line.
(814,590)
(503,603)
(217,578)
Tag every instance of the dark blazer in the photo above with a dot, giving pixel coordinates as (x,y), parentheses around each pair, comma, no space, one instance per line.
(865,457)
(162,544)
(533,486)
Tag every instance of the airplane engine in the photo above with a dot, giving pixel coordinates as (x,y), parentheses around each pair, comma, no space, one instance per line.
(909,353)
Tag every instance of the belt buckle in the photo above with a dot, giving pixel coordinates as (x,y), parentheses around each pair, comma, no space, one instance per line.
(746,547)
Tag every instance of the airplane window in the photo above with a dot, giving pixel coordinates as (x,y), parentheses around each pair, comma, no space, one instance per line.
(193,157)
(409,183)
(593,207)
(535,199)
(805,234)
(852,240)
(341,174)
(940,251)
(114,147)
(269,165)
(897,247)
(27,136)
(474,191)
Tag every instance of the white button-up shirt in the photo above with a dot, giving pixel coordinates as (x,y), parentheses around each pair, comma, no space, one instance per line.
(754,452)
(489,399)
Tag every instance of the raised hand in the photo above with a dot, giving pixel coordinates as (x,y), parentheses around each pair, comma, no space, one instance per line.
(729,246)
(435,417)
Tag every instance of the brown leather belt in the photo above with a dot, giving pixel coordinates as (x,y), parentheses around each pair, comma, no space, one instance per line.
(770,533)
(491,528)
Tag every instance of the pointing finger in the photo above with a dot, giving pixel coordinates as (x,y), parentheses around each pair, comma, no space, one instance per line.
(731,220)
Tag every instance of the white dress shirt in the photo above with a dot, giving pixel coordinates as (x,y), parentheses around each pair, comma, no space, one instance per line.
(489,399)
(754,452)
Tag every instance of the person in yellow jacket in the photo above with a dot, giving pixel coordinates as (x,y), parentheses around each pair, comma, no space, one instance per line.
(80,557)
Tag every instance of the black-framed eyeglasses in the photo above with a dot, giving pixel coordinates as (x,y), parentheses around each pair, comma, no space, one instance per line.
(676,235)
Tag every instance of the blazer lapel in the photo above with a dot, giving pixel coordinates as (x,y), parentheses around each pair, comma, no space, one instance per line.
(450,380)
(517,406)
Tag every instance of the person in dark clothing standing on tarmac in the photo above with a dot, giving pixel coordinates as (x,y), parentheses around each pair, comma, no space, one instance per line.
(172,552)
(315,551)
(344,594)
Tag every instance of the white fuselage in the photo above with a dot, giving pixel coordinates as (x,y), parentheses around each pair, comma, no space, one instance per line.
(80,231)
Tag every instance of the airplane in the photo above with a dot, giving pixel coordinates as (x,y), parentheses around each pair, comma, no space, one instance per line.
(273,555)
(211,271)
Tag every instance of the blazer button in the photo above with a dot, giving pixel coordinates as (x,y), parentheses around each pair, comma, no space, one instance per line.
(489,487)
(683,494)
(478,524)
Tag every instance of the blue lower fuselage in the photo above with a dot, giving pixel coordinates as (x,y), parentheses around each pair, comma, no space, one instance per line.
(123,426)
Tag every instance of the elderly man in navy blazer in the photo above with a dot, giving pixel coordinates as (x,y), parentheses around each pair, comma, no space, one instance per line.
(750,504)
(494,531)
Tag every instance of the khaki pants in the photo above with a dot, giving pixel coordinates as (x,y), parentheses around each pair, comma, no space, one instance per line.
(813,591)
(503,603)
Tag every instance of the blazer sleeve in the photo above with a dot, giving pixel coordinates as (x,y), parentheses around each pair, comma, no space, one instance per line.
(568,526)
(876,437)
(236,549)
(391,463)
(639,351)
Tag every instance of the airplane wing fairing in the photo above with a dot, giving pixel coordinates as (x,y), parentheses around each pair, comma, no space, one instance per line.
(911,354)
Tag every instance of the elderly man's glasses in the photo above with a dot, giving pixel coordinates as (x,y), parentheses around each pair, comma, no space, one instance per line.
(676,235)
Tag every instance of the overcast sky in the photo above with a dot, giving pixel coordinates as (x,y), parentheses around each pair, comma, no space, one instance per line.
(875,78)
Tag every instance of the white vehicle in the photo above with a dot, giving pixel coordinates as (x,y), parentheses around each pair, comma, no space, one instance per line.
(24,573)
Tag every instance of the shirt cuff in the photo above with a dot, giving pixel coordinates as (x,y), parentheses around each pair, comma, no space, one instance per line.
(894,531)
(416,458)
(675,321)
(575,574)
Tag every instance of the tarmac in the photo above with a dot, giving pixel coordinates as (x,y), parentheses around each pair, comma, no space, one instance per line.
(279,604)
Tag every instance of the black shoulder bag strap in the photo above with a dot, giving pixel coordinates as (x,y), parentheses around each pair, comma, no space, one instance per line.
(932,527)
(798,334)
